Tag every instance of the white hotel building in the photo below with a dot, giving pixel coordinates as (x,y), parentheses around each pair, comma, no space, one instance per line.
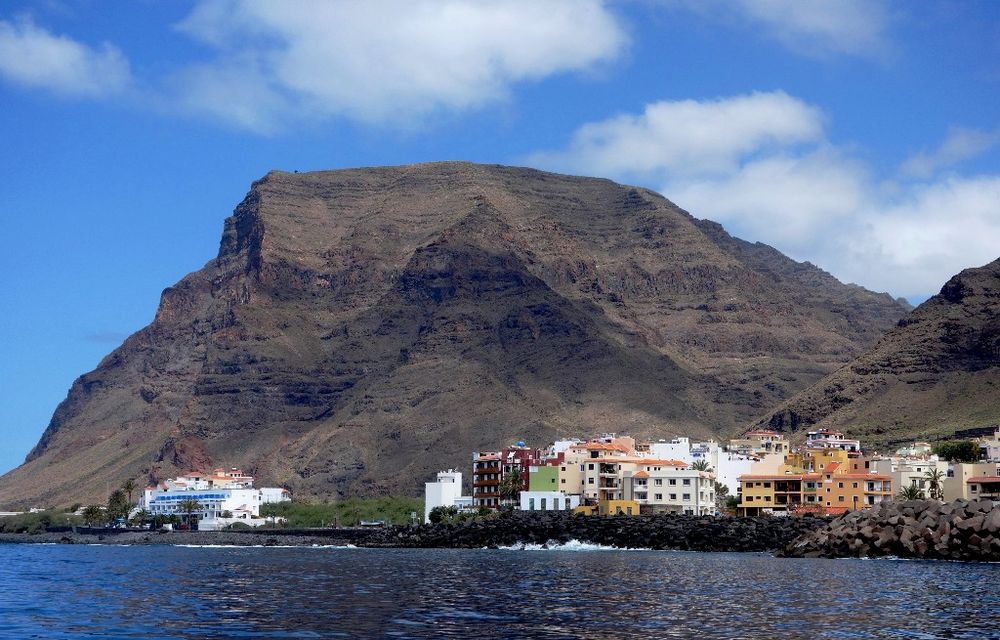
(216,493)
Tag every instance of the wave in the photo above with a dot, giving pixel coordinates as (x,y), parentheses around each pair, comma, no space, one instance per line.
(571,545)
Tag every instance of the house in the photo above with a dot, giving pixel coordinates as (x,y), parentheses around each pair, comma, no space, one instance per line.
(984,487)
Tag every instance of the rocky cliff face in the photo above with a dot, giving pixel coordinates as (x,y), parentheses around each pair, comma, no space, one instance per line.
(361,329)
(937,371)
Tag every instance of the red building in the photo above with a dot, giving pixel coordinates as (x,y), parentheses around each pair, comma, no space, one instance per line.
(489,468)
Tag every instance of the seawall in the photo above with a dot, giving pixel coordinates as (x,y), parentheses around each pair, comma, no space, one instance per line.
(691,533)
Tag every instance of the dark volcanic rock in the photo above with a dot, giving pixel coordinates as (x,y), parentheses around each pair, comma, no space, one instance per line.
(961,530)
(361,329)
(680,532)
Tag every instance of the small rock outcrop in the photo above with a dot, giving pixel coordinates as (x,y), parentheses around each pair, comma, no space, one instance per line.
(925,529)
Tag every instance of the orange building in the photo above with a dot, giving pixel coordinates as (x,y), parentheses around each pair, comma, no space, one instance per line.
(841,489)
(836,489)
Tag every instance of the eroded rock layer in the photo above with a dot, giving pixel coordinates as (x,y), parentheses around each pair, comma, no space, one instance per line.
(361,329)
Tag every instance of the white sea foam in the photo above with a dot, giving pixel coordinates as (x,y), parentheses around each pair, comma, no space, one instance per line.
(571,545)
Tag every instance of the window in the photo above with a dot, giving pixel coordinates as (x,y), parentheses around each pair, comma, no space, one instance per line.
(687,496)
(563,480)
(531,504)
(687,482)
(673,496)
(658,482)
(840,485)
(658,496)
(543,504)
(749,498)
(591,481)
(767,498)
(590,466)
(854,485)
(840,498)
(672,482)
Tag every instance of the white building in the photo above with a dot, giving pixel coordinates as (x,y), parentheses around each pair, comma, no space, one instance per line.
(217,493)
(910,472)
(663,488)
(826,439)
(548,501)
(445,492)
(675,449)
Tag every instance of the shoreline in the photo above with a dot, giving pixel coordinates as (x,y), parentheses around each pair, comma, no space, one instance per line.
(657,532)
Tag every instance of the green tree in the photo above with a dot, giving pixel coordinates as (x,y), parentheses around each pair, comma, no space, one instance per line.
(911,492)
(129,486)
(188,506)
(227,514)
(721,496)
(93,515)
(701,465)
(958,450)
(935,489)
(510,487)
(141,517)
(442,514)
(118,505)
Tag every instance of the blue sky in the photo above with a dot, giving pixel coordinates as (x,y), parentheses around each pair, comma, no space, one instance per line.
(861,136)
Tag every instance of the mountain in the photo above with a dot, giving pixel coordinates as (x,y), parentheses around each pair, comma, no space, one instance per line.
(937,371)
(361,329)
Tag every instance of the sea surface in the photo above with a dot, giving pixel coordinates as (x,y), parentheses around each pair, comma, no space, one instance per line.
(578,591)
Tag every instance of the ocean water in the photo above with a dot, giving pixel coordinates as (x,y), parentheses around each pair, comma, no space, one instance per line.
(69,591)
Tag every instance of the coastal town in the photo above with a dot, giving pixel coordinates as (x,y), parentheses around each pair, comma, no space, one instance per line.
(760,473)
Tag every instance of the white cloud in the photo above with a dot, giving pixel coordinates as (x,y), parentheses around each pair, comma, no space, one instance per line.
(768,173)
(34,57)
(809,27)
(385,60)
(691,136)
(960,144)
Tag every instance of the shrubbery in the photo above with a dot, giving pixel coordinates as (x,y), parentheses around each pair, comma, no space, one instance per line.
(346,513)
(958,450)
(36,522)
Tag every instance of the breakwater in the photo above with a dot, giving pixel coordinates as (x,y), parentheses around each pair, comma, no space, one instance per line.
(678,532)
(926,529)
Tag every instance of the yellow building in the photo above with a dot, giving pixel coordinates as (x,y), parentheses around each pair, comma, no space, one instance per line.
(618,508)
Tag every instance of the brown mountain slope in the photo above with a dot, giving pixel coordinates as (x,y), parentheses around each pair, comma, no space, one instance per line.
(938,371)
(361,329)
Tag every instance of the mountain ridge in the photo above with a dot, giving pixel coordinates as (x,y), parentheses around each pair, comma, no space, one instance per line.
(937,371)
(359,328)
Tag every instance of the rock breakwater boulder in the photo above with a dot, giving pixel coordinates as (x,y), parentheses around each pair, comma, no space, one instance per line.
(681,532)
(960,530)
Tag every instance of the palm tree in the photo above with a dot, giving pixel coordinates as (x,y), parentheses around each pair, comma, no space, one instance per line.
(934,478)
(118,505)
(141,516)
(188,506)
(510,486)
(128,487)
(93,514)
(701,465)
(911,492)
